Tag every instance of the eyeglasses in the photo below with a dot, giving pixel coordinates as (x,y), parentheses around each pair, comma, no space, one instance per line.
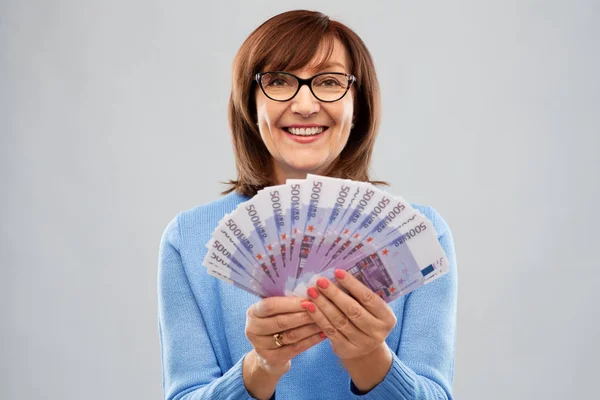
(283,86)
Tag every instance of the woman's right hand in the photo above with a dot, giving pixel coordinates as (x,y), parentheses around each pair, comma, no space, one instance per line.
(267,362)
(284,315)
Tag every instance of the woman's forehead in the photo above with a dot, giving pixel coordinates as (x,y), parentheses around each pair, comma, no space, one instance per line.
(329,57)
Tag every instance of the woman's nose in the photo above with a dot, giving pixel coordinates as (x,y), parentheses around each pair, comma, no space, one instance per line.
(304,103)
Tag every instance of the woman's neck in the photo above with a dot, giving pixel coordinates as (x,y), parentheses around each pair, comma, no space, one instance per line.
(282,175)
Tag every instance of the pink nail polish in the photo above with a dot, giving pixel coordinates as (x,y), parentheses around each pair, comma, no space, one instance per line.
(323,335)
(340,273)
(305,304)
(311,307)
(312,292)
(322,283)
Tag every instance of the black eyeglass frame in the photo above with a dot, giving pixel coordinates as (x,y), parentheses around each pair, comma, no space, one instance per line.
(302,82)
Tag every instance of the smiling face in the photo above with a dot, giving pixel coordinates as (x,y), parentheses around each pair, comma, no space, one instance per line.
(305,135)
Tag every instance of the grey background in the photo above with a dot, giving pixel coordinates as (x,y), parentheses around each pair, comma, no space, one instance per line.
(113,119)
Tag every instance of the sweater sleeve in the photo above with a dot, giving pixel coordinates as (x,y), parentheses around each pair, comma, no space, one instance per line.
(190,368)
(423,364)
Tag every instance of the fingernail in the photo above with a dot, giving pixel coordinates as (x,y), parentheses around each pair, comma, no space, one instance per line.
(340,273)
(322,283)
(323,335)
(305,304)
(312,292)
(311,307)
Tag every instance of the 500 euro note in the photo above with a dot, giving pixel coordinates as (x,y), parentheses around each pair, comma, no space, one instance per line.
(399,267)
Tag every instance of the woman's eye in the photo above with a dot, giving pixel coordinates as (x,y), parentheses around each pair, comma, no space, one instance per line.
(277,82)
(330,82)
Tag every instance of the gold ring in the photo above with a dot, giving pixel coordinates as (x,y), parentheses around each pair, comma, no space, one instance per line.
(278,337)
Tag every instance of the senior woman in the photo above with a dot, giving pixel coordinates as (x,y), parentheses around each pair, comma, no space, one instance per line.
(305,99)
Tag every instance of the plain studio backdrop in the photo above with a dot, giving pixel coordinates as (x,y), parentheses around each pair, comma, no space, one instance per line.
(113,119)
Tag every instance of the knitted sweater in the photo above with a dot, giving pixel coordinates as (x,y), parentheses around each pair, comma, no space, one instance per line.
(202,321)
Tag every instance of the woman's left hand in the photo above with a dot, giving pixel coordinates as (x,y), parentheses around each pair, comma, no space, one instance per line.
(356,324)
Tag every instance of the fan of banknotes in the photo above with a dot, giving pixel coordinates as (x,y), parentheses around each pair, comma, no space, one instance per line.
(286,236)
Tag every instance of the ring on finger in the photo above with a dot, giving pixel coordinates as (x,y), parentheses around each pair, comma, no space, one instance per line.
(278,337)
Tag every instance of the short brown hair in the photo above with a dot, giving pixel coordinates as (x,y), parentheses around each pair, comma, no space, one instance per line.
(289,41)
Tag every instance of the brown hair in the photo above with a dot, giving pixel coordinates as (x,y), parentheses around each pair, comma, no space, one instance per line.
(289,41)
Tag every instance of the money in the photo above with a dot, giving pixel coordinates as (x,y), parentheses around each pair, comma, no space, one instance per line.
(286,236)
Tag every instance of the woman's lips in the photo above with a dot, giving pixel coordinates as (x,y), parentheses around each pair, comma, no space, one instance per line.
(304,139)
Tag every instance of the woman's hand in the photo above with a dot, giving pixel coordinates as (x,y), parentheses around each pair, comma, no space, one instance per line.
(284,316)
(269,360)
(356,324)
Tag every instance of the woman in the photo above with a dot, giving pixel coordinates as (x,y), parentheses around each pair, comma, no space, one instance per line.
(219,342)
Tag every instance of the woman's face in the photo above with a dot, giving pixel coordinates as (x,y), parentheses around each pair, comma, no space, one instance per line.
(296,155)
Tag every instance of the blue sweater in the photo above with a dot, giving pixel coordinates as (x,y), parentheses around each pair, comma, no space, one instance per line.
(202,322)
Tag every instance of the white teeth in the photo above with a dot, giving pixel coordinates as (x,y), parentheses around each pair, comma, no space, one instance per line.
(305,131)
